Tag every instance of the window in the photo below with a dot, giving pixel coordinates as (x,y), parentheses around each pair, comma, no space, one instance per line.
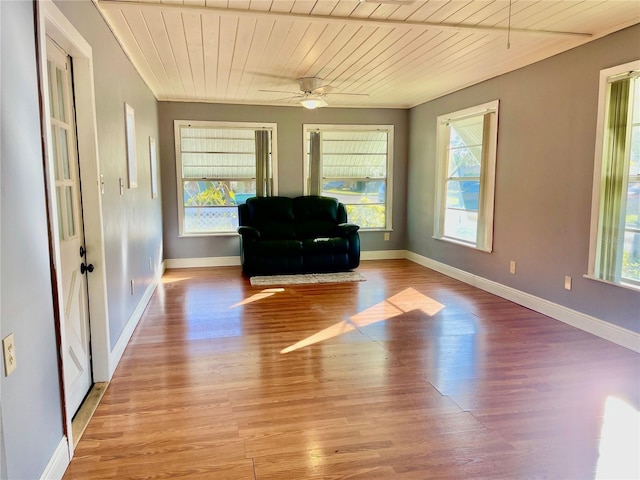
(615,225)
(465,175)
(219,166)
(352,163)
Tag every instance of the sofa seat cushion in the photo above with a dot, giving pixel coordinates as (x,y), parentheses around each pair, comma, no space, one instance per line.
(278,248)
(275,230)
(327,245)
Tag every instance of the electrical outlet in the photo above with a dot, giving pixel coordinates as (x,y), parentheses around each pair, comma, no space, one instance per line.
(386,236)
(567,282)
(9,350)
(121,186)
(512,267)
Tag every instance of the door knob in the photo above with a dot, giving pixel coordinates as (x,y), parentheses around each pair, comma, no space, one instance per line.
(86,268)
(83,252)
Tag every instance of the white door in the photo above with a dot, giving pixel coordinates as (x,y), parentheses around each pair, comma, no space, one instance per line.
(77,354)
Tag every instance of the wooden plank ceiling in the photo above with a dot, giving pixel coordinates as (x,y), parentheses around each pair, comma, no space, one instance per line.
(400,53)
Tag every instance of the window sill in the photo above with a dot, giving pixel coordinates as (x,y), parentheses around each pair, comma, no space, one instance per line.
(462,244)
(627,286)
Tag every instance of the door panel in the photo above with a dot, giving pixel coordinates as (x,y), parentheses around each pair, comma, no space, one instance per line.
(77,352)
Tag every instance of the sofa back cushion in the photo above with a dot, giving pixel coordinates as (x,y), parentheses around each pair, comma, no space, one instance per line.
(272,216)
(315,216)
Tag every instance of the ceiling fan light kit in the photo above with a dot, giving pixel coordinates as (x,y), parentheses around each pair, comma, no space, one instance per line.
(312,102)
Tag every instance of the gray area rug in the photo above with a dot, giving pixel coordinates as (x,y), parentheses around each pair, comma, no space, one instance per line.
(308,278)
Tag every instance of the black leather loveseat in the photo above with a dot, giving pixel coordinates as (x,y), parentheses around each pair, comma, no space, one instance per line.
(294,235)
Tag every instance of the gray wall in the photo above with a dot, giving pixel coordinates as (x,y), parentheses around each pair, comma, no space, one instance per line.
(290,165)
(546,145)
(31,408)
(133,221)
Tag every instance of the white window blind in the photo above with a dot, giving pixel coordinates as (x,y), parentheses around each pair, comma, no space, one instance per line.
(352,163)
(220,166)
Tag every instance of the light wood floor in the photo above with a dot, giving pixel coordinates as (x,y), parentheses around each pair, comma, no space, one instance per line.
(412,376)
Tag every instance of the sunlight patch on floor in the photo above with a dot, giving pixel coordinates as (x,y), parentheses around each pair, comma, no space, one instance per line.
(258,296)
(406,301)
(619,441)
(166,279)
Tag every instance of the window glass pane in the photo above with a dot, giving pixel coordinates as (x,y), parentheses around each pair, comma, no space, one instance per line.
(61,95)
(217,193)
(632,218)
(59,203)
(464,195)
(355,191)
(636,100)
(210,219)
(54,137)
(631,256)
(50,74)
(352,166)
(64,151)
(461,225)
(71,224)
(634,165)
(221,166)
(465,146)
(367,216)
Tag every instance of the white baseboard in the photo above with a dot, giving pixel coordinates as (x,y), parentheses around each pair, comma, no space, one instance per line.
(383,254)
(235,260)
(202,262)
(117,352)
(593,325)
(58,463)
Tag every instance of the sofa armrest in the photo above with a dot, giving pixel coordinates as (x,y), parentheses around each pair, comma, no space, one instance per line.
(249,232)
(345,229)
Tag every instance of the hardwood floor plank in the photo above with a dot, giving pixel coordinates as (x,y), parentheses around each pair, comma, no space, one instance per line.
(408,375)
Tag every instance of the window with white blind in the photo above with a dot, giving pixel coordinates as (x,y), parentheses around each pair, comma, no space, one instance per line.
(220,165)
(465,176)
(352,163)
(615,224)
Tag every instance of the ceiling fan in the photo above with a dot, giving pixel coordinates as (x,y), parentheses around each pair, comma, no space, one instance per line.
(313,94)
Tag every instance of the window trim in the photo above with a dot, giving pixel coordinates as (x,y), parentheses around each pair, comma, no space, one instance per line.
(306,127)
(487,175)
(607,75)
(177,124)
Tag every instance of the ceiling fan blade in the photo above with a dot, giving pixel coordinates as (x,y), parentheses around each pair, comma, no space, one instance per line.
(288,98)
(323,90)
(352,94)
(270,75)
(279,91)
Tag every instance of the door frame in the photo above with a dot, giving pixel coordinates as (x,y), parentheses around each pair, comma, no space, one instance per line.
(52,22)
